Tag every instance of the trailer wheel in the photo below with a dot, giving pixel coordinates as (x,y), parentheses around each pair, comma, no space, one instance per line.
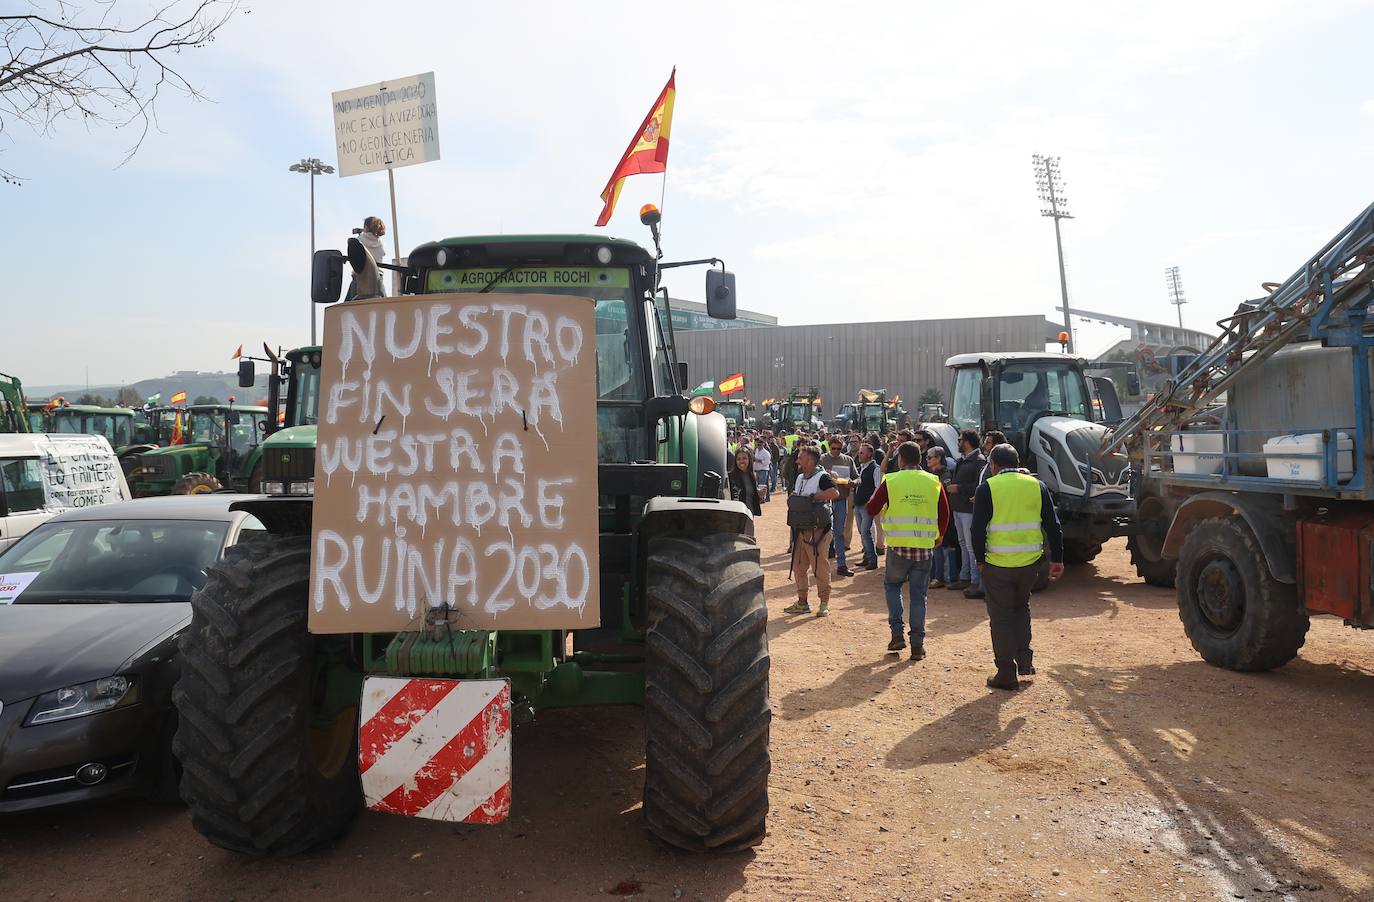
(196,484)
(1077,551)
(1233,610)
(1145,545)
(267,713)
(706,709)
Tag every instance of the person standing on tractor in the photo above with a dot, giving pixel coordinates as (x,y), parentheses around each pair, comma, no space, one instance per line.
(370,236)
(1013,520)
(915,515)
(808,513)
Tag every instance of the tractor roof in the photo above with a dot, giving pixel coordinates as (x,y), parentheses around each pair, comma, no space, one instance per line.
(990,357)
(501,248)
(95,408)
(241,408)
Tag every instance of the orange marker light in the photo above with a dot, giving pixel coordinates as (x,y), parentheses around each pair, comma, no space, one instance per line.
(701,405)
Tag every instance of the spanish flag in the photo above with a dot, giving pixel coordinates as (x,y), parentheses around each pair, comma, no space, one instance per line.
(732,384)
(648,150)
(179,397)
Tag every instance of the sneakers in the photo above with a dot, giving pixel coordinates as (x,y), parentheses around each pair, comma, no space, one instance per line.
(823,610)
(897,644)
(882,551)
(844,571)
(800,606)
(958,584)
(1005,678)
(937,584)
(973,592)
(918,650)
(869,565)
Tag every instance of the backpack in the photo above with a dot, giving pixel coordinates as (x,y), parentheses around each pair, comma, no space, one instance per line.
(804,512)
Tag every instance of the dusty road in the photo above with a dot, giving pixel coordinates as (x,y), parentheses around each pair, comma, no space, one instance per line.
(1129,769)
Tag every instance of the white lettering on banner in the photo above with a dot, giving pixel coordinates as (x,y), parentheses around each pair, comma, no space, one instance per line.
(446,464)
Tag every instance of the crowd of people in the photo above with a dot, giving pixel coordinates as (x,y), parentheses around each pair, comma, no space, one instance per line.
(968,519)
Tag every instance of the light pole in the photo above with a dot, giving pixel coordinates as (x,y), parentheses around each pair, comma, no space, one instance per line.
(1049,185)
(312,167)
(1175,286)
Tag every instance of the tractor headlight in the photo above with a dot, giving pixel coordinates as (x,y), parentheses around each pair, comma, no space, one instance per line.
(604,255)
(440,257)
(301,488)
(82,699)
(273,488)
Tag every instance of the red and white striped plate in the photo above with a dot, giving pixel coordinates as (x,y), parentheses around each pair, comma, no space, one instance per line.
(437,749)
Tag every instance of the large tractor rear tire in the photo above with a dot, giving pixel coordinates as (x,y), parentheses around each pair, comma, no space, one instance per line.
(1152,525)
(265,770)
(1235,613)
(1080,551)
(706,693)
(196,484)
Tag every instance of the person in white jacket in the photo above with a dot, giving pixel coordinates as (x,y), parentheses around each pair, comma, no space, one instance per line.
(371,237)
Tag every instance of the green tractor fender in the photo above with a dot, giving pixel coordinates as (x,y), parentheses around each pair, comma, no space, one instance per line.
(704,452)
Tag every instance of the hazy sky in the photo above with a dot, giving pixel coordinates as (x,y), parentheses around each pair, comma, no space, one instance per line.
(848,162)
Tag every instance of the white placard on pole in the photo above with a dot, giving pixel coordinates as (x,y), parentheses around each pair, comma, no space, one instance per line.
(386,125)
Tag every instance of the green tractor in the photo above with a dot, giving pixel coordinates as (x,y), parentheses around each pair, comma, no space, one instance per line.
(14,413)
(737,414)
(290,425)
(269,713)
(218,450)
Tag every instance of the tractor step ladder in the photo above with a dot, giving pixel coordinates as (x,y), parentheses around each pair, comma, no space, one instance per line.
(1335,281)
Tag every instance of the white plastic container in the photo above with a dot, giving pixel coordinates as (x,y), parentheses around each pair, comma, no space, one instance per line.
(1281,465)
(1207,452)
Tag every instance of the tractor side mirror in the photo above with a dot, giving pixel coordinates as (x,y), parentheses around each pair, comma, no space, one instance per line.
(720,294)
(1132,383)
(682,375)
(326,276)
(247,374)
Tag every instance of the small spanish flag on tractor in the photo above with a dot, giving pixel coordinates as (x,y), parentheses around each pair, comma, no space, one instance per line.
(648,150)
(179,397)
(732,384)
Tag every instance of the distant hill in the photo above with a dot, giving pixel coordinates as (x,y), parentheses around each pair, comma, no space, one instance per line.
(214,385)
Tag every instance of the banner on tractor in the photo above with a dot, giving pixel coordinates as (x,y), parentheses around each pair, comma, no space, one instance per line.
(455,467)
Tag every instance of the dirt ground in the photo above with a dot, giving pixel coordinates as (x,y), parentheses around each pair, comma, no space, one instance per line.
(1128,769)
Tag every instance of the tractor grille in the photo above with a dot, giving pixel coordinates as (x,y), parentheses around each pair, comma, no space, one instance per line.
(288,464)
(157,466)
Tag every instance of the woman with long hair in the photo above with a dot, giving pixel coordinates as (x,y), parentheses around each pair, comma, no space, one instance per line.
(744,485)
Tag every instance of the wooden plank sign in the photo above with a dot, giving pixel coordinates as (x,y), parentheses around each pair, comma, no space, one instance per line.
(456,464)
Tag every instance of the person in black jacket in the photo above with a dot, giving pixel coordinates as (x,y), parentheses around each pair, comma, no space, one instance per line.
(869,477)
(967,472)
(744,484)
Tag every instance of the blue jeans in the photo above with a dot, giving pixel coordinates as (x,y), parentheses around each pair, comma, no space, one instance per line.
(772,477)
(969,568)
(916,575)
(838,510)
(865,522)
(941,563)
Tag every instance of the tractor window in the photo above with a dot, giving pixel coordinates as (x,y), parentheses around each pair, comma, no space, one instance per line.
(305,394)
(967,412)
(658,348)
(207,428)
(618,361)
(67,424)
(123,432)
(1027,389)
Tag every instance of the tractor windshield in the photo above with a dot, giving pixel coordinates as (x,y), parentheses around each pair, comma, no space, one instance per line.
(207,427)
(1025,389)
(796,413)
(618,364)
(303,396)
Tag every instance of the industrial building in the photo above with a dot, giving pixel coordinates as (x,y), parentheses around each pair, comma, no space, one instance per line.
(691,315)
(906,358)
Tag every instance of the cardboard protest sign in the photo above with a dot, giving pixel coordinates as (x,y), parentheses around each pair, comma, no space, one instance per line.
(79,471)
(456,464)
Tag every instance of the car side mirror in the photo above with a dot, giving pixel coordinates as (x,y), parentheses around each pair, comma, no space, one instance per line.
(247,374)
(720,294)
(326,276)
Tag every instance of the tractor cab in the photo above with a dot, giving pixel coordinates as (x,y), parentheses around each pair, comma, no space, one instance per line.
(116,424)
(14,413)
(215,444)
(734,413)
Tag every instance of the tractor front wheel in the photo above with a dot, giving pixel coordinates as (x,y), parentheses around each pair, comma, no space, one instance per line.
(706,693)
(267,713)
(196,484)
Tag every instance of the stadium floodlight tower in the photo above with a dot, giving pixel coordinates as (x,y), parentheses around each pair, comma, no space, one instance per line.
(1049,185)
(1175,285)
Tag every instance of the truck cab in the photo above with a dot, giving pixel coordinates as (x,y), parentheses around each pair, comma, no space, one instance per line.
(1054,415)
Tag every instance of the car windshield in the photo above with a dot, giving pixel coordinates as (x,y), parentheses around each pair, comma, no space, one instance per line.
(109,561)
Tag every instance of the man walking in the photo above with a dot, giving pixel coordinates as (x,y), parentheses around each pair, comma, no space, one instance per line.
(869,477)
(807,558)
(967,471)
(841,468)
(1013,520)
(915,515)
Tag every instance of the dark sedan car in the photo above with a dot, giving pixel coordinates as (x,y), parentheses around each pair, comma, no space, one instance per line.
(91,606)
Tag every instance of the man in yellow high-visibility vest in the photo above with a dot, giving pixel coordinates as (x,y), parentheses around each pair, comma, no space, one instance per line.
(915,513)
(1014,521)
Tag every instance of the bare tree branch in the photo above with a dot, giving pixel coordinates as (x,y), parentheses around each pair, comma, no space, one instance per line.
(68,60)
